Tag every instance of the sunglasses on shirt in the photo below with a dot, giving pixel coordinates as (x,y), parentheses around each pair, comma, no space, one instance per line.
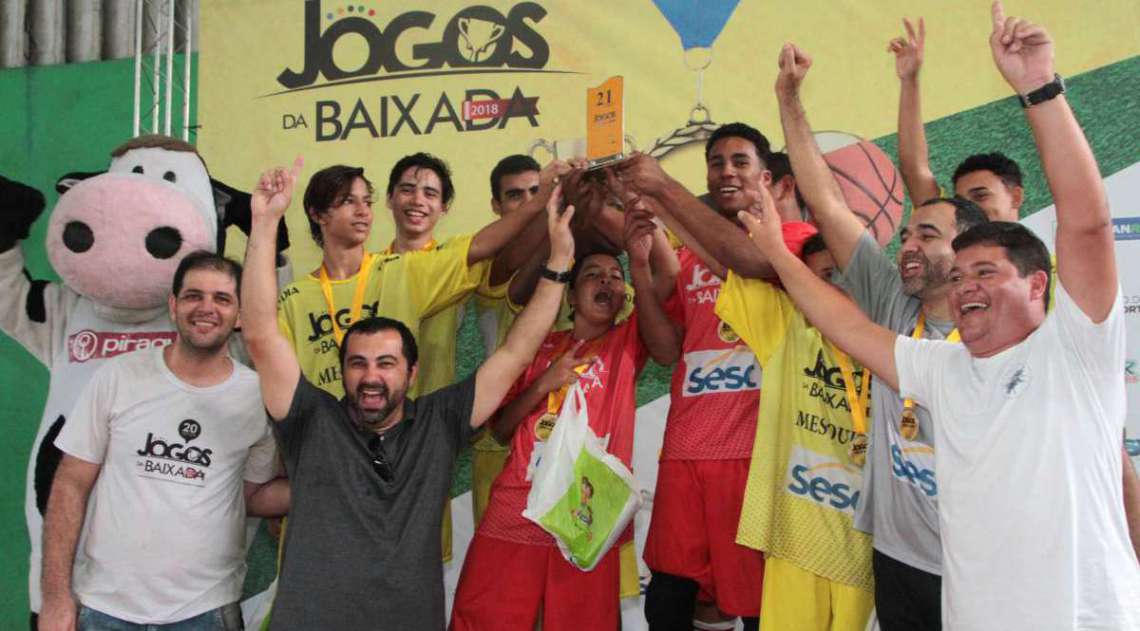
(380,463)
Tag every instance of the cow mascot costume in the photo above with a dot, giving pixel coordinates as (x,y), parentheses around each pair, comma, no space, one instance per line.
(115,238)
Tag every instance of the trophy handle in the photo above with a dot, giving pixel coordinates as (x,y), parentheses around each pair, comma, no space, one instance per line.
(542,143)
(631,144)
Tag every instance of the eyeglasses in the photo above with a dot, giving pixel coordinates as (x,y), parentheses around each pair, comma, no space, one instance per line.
(380,463)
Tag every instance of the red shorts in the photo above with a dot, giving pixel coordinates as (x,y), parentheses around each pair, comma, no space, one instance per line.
(696,510)
(507,586)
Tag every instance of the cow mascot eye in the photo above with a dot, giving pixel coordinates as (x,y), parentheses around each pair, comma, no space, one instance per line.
(115,239)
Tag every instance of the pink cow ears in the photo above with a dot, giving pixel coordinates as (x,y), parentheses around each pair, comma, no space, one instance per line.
(231,204)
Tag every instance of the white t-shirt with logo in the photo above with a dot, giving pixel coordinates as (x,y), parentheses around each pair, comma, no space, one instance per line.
(1033,529)
(164,535)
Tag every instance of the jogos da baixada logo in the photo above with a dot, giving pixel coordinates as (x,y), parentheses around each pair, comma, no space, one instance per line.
(476,40)
(175,461)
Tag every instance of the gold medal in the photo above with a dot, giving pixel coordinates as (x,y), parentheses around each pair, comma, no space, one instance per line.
(908,424)
(726,334)
(858,450)
(544,426)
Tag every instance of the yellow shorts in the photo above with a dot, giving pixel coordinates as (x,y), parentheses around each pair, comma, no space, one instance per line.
(796,600)
(487,460)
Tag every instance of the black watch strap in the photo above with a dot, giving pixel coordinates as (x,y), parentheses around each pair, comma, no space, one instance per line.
(558,277)
(1044,93)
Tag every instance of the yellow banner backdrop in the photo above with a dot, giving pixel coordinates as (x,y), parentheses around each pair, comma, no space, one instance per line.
(367,82)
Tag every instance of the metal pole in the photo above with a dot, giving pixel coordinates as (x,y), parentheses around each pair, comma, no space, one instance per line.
(156,97)
(138,62)
(13,39)
(186,54)
(169,68)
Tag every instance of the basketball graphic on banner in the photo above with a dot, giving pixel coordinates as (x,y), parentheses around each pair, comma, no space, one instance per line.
(869,181)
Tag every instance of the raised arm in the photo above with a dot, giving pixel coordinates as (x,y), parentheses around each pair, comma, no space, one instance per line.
(533,235)
(517,229)
(834,314)
(67,506)
(1086,259)
(840,227)
(914,158)
(273,357)
(642,239)
(502,368)
(721,238)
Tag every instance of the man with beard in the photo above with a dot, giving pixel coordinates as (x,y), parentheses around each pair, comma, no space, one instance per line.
(371,472)
(172,447)
(1029,408)
(898,505)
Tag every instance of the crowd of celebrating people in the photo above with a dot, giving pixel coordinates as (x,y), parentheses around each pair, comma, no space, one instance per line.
(936,440)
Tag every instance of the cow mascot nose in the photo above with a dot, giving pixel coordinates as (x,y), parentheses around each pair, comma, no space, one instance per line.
(115,238)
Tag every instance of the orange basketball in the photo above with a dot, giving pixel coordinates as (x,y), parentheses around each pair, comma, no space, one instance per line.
(869,180)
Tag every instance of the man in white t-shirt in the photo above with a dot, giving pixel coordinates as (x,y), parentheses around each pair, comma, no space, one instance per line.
(1028,411)
(166,451)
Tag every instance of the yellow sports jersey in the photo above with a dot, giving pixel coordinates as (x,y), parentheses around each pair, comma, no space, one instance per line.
(437,337)
(407,287)
(802,490)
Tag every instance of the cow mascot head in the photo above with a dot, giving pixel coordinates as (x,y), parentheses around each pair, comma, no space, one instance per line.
(115,238)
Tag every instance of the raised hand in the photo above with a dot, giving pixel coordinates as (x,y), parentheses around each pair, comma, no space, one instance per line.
(558,229)
(274,190)
(561,372)
(642,173)
(763,224)
(794,65)
(552,173)
(908,50)
(1023,51)
(638,233)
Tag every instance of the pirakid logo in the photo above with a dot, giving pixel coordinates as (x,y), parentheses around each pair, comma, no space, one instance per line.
(725,370)
(475,37)
(824,480)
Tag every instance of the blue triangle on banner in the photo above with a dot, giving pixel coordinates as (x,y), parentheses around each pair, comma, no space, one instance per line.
(697,22)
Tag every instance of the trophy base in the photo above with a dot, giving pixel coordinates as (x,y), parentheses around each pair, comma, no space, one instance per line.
(599,163)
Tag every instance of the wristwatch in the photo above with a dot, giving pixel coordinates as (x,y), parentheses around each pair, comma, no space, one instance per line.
(1044,93)
(558,277)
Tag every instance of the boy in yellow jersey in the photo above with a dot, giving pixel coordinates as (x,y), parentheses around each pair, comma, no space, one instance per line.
(420,192)
(807,463)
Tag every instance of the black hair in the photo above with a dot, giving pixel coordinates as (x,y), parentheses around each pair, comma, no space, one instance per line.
(740,130)
(779,164)
(376,324)
(967,214)
(202,259)
(580,258)
(327,188)
(427,161)
(1027,252)
(813,245)
(510,165)
(997,163)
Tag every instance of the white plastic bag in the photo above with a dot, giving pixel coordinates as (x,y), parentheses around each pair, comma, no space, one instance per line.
(581,494)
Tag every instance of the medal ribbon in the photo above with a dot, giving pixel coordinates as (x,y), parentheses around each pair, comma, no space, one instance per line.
(357,297)
(919,327)
(856,400)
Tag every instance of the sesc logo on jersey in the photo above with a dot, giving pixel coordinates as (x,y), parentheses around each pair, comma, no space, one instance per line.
(824,480)
(725,370)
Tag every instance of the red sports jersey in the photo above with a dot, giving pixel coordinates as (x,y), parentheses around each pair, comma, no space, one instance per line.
(610,384)
(715,393)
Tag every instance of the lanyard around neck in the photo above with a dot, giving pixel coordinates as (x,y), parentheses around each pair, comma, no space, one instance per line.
(357,297)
